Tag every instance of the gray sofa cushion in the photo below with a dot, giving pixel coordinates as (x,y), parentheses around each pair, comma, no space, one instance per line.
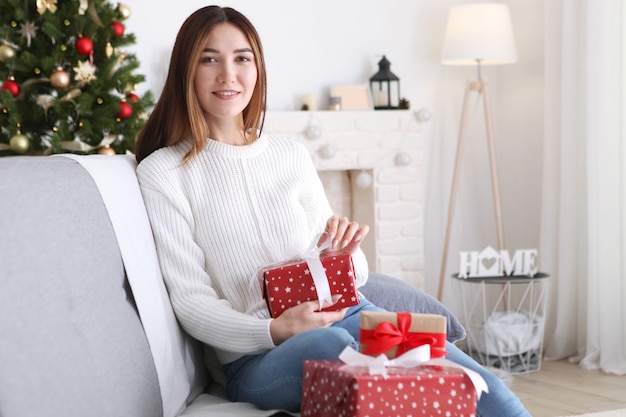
(395,295)
(71,342)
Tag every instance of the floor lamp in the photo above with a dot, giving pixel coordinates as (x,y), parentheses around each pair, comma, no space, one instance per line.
(476,34)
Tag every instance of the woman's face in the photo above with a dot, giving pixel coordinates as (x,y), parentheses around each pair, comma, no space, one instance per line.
(226,74)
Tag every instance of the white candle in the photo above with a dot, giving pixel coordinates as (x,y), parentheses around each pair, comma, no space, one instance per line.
(310,100)
(381,100)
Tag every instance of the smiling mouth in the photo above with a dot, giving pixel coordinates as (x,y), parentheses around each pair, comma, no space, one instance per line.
(226,93)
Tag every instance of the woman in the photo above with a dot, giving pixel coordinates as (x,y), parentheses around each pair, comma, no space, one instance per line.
(225,200)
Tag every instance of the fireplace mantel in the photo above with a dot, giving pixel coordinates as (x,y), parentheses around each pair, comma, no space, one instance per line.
(372,160)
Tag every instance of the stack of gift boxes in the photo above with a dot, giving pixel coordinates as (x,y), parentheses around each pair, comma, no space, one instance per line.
(428,386)
(335,388)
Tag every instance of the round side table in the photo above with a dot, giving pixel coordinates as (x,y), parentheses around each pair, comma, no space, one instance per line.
(504,317)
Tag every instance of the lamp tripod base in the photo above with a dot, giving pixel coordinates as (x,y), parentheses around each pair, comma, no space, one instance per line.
(481,87)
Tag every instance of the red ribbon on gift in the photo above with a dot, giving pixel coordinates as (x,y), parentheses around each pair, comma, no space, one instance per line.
(387,336)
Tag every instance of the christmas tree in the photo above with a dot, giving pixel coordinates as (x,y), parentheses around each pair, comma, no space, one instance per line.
(67,82)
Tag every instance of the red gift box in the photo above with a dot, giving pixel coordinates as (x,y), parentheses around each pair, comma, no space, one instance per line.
(334,389)
(291,283)
(395,333)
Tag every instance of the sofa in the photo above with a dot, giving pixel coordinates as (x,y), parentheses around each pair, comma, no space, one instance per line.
(74,338)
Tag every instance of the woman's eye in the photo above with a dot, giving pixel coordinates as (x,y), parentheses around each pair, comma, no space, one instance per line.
(244,59)
(207,59)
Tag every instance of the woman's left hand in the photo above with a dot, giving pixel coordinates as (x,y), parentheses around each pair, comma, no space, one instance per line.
(346,236)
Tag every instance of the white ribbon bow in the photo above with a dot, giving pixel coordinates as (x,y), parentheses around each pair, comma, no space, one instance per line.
(317,270)
(415,357)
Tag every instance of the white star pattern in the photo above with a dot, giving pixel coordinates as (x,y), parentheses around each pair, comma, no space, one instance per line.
(394,396)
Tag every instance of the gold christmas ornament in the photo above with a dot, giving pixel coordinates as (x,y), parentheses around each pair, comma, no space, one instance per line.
(124,10)
(6,53)
(108,49)
(60,78)
(19,143)
(106,150)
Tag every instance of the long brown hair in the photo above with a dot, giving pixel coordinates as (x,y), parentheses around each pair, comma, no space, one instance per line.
(177,114)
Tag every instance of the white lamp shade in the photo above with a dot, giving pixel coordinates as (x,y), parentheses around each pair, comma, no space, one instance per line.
(479,32)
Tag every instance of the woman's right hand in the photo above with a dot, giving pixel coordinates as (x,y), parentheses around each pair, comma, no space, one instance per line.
(345,235)
(303,317)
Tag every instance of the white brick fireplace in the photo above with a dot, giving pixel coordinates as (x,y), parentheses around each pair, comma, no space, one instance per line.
(351,147)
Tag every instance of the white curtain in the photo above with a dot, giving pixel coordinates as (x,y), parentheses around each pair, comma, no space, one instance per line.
(583,223)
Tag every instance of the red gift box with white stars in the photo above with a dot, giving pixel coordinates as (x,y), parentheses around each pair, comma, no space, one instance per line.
(291,283)
(334,389)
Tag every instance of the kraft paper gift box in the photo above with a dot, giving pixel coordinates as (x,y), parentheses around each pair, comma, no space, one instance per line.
(293,282)
(334,389)
(395,333)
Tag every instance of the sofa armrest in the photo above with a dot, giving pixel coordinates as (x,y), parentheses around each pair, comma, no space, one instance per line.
(396,295)
(71,341)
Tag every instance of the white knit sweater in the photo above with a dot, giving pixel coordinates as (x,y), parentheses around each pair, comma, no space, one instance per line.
(219,218)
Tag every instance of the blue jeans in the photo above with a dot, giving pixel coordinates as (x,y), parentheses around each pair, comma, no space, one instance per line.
(273,380)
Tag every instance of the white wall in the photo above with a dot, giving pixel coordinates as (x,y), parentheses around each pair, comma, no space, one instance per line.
(311,45)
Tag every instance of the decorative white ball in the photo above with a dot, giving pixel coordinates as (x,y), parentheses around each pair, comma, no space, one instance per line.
(423,115)
(328,151)
(363,180)
(403,159)
(313,132)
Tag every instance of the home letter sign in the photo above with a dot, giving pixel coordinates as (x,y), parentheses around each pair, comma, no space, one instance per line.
(492,263)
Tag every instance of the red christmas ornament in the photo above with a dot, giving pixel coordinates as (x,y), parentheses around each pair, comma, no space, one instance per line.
(84,46)
(11,86)
(118,28)
(133,97)
(125,110)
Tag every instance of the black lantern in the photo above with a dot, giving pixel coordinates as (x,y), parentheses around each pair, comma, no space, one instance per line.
(385,86)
